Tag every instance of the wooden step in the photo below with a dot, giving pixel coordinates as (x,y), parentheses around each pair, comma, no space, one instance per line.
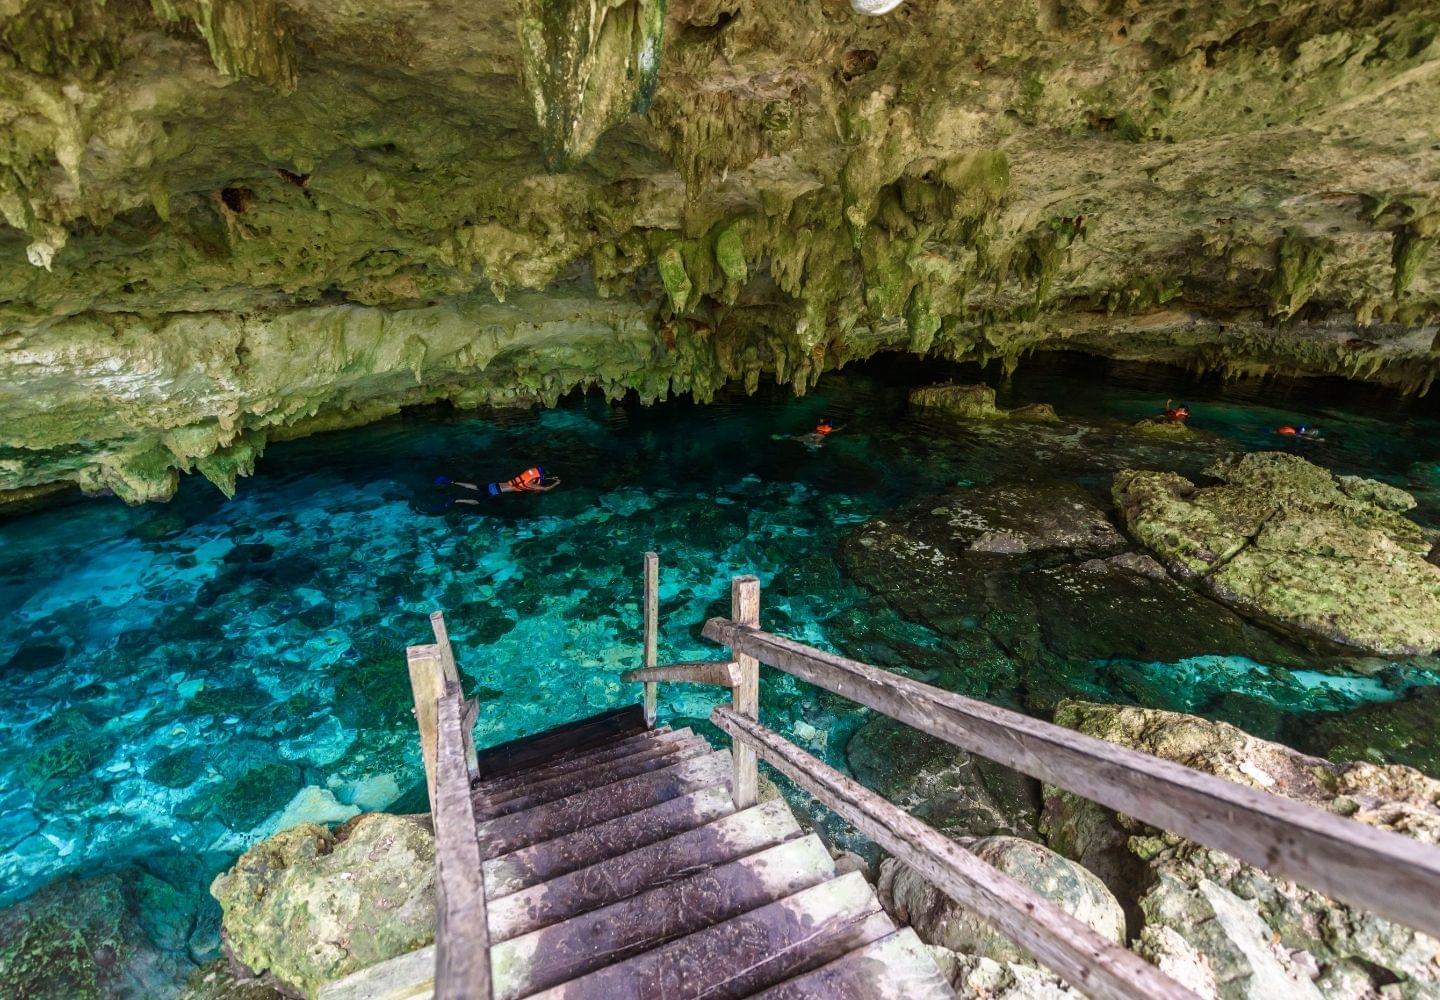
(650,867)
(894,968)
(570,738)
(496,788)
(530,866)
(747,953)
(605,773)
(593,940)
(596,805)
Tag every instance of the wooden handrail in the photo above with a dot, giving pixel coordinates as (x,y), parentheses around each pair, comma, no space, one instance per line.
(652,629)
(1375,869)
(1098,967)
(721,673)
(462,929)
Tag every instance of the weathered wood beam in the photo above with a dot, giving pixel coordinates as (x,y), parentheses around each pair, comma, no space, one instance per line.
(452,676)
(722,673)
(745,695)
(427,686)
(462,939)
(1073,949)
(1375,869)
(652,628)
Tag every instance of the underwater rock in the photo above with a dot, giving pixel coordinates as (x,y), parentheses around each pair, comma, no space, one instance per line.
(307,906)
(977,402)
(83,939)
(1394,732)
(1244,932)
(220,980)
(1286,541)
(954,791)
(939,920)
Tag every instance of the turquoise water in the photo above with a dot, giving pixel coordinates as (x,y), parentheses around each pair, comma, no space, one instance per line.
(178,681)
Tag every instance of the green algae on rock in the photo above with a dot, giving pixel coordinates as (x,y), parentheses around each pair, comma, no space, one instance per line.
(307,906)
(1285,540)
(1222,927)
(977,402)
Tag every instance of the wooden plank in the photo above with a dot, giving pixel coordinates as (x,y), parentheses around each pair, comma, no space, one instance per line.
(567,739)
(747,953)
(410,976)
(462,941)
(1375,869)
(722,673)
(452,676)
(498,787)
(894,968)
(427,687)
(605,773)
(555,955)
(532,865)
(652,629)
(596,805)
(651,866)
(745,695)
(1073,949)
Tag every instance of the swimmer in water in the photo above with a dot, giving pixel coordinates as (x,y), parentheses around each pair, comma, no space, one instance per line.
(1175,413)
(1300,432)
(815,438)
(533,480)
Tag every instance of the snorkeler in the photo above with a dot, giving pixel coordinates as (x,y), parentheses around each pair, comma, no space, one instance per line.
(533,480)
(815,438)
(1301,432)
(1176,413)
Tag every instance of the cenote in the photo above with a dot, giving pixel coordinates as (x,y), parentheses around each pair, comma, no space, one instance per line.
(181,680)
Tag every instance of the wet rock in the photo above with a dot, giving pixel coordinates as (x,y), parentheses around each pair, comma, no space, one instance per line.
(954,791)
(1228,929)
(35,656)
(1284,540)
(78,939)
(977,402)
(219,980)
(1398,732)
(308,906)
(939,920)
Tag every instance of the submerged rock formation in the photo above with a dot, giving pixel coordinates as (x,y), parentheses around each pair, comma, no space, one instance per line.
(1285,540)
(231,222)
(977,402)
(307,906)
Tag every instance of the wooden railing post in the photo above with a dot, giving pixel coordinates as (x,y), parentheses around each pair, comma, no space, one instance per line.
(427,685)
(652,627)
(462,926)
(452,676)
(745,696)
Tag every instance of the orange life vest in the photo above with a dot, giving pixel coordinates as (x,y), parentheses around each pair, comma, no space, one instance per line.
(1286,430)
(823,428)
(529,480)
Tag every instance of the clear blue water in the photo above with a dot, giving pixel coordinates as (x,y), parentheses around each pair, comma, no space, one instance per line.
(178,681)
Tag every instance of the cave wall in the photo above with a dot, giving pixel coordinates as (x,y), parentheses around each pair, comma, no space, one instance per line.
(230,221)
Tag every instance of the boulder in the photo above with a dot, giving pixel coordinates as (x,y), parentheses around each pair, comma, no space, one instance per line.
(977,402)
(952,790)
(974,976)
(308,906)
(939,920)
(1227,929)
(1283,540)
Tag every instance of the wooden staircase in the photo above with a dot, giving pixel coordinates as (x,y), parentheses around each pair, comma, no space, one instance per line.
(615,864)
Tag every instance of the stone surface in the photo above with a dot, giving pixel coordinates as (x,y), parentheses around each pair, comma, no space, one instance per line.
(1284,540)
(976,402)
(974,976)
(227,224)
(307,906)
(1225,928)
(939,920)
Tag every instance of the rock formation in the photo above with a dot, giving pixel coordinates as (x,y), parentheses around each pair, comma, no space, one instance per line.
(231,221)
(1287,541)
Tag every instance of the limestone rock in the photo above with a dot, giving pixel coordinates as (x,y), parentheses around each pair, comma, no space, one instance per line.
(954,791)
(974,976)
(1282,539)
(977,402)
(939,920)
(1227,929)
(307,906)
